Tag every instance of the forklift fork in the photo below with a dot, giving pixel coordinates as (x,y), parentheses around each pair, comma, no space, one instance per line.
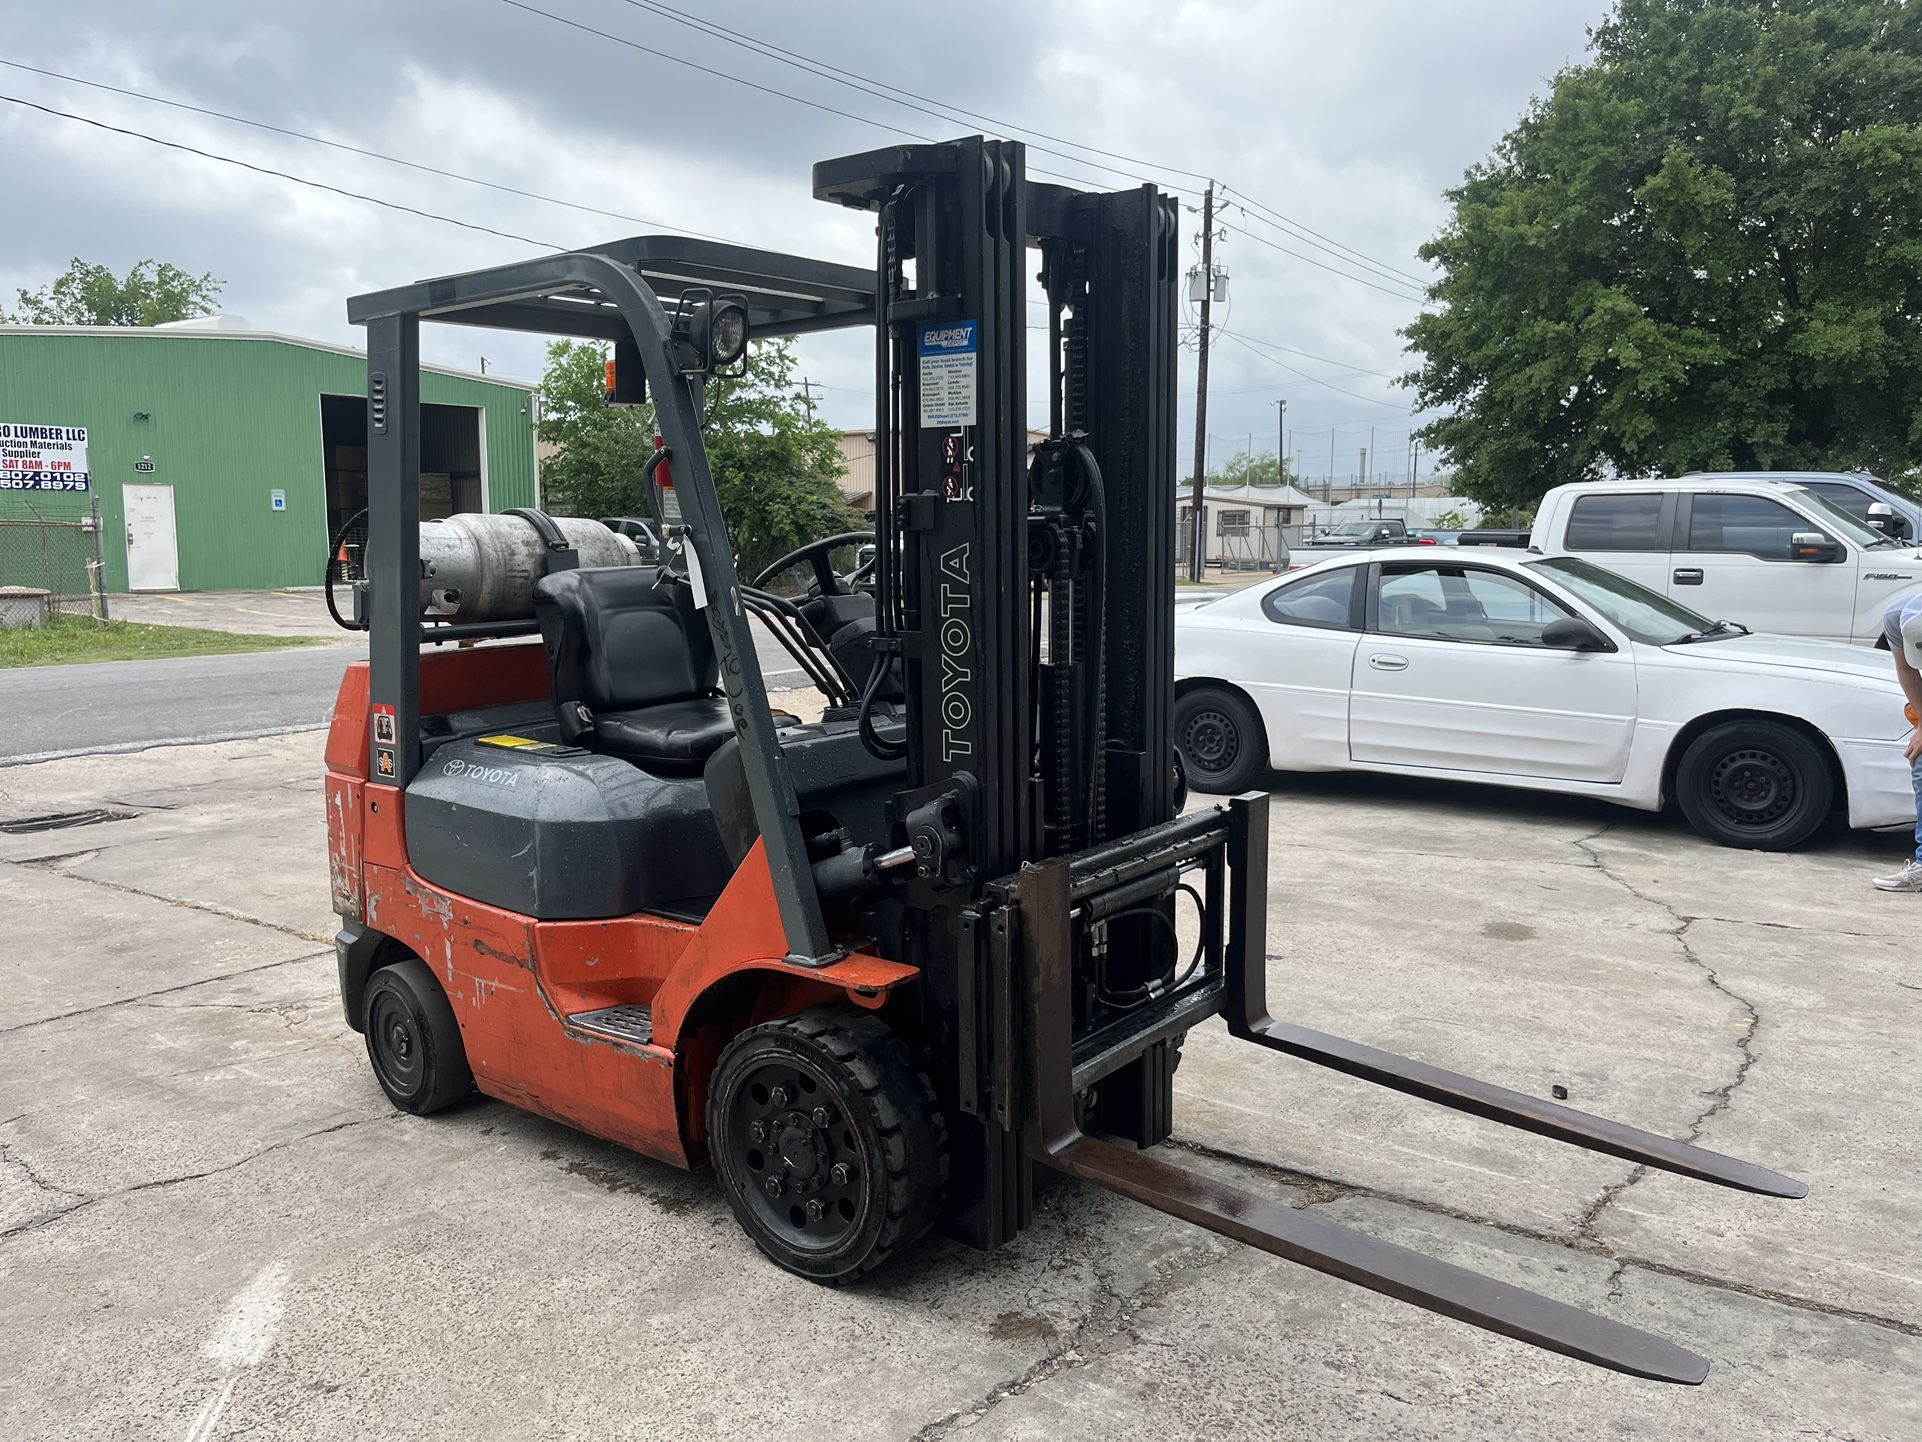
(1047,896)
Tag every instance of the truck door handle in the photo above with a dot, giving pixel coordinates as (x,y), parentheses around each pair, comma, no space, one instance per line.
(1688,576)
(1381,661)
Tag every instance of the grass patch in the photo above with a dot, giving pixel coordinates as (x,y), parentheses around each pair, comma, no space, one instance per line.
(66,639)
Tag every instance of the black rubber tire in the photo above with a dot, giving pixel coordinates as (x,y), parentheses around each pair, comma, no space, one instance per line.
(413,1039)
(884,1124)
(1220,741)
(1756,784)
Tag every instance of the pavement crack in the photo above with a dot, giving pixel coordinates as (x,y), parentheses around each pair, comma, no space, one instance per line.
(48,864)
(1321,1190)
(147,996)
(1106,1326)
(1720,1098)
(12,1158)
(83,1200)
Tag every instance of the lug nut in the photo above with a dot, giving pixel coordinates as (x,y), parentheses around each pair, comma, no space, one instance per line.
(757,1131)
(775,1186)
(778,1096)
(814,1209)
(820,1116)
(841,1173)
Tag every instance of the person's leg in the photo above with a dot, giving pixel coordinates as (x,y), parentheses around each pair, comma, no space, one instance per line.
(1915,774)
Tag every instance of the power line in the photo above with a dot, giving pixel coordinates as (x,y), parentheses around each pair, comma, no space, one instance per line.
(1325,360)
(352,149)
(1261,355)
(1387,273)
(281,174)
(1280,220)
(587,29)
(880,89)
(1263,240)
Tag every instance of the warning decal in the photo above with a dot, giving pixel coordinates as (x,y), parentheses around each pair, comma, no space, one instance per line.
(949,353)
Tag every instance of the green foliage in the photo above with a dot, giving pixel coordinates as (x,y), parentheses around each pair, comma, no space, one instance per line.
(1702,250)
(1450,520)
(1248,469)
(150,294)
(774,468)
(67,639)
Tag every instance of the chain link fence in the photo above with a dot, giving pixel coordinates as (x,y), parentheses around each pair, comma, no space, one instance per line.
(50,567)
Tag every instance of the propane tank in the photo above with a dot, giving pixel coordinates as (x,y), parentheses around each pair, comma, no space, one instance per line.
(477,567)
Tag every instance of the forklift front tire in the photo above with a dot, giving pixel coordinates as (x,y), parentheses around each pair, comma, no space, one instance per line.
(413,1039)
(828,1142)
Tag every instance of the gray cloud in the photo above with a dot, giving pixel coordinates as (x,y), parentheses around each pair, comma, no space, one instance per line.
(1350,119)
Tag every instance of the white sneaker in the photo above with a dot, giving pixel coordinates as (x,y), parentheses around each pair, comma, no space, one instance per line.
(1909,878)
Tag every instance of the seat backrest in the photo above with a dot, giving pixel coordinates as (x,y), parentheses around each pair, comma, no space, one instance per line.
(619,638)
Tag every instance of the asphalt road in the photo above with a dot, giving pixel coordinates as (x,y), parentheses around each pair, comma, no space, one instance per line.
(55,711)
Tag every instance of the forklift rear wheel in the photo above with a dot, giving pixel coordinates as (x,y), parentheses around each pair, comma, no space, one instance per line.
(1219,739)
(413,1040)
(828,1142)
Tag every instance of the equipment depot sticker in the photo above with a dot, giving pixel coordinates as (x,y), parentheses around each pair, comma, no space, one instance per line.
(949,353)
(43,458)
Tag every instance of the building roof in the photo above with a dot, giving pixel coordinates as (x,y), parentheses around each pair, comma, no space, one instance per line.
(229,332)
(1268,497)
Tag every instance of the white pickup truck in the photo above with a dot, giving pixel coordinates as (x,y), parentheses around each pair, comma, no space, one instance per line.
(1771,555)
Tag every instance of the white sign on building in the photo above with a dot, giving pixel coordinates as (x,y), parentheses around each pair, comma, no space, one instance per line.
(43,458)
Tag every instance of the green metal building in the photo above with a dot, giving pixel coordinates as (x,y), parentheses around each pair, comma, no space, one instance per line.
(223,457)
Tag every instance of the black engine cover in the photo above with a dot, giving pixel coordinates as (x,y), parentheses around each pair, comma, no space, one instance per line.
(561,834)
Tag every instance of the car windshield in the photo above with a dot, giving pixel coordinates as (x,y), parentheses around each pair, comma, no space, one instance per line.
(1649,617)
(1838,519)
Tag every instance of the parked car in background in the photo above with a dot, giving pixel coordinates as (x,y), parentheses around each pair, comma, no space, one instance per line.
(1431,537)
(1548,673)
(1378,532)
(1860,494)
(1774,556)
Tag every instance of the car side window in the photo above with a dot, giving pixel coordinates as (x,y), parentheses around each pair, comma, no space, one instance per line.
(1325,600)
(1745,525)
(1463,603)
(1616,522)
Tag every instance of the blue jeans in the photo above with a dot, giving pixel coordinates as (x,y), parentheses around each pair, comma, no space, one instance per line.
(1915,775)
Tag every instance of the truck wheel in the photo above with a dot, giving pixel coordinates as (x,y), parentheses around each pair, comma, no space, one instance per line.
(1757,784)
(413,1040)
(1219,739)
(828,1142)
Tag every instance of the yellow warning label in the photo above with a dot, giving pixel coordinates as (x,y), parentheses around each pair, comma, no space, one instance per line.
(515,741)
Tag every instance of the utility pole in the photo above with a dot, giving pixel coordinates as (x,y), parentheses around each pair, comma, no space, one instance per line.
(1328,486)
(1368,479)
(1281,443)
(1364,471)
(483,365)
(1414,466)
(808,388)
(1197,555)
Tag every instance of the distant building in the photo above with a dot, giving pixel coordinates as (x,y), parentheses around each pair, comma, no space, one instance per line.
(1246,526)
(224,457)
(857,466)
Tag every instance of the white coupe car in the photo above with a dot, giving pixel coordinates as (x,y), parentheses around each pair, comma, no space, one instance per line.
(1546,673)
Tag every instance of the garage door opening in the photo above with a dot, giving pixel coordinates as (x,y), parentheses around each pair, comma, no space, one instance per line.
(453,461)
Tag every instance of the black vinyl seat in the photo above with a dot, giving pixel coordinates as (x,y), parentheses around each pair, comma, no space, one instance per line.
(634,667)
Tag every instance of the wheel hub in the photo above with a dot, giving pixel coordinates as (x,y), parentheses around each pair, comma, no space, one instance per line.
(1211,741)
(1752,788)
(801,1162)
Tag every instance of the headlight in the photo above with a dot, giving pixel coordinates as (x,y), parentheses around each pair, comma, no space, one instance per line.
(727,333)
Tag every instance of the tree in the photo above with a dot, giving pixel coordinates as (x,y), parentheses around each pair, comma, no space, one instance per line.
(1702,250)
(774,468)
(1248,469)
(150,294)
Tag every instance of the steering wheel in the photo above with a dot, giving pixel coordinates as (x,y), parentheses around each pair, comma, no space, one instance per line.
(816,553)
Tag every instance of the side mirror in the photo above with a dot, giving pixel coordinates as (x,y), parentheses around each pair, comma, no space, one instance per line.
(1813,546)
(1572,633)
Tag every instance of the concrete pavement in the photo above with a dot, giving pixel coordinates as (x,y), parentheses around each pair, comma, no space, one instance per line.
(210,1218)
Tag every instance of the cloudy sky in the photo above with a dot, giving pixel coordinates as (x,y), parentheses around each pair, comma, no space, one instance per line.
(1344,121)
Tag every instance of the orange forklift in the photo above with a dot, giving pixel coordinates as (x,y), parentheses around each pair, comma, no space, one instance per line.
(882,970)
